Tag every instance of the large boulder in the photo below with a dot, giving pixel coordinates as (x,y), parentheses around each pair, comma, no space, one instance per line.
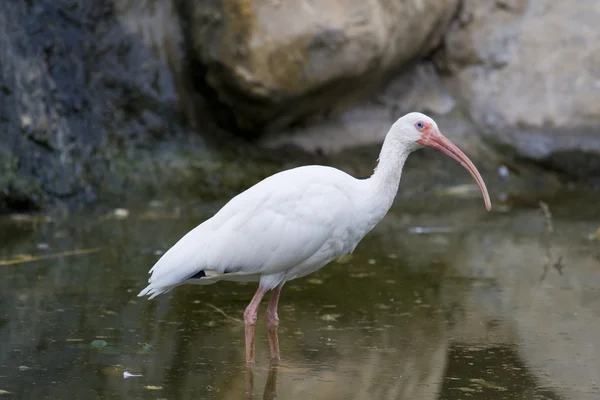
(269,63)
(88,96)
(528,73)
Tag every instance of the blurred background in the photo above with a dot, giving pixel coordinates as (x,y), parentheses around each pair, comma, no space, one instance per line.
(123,124)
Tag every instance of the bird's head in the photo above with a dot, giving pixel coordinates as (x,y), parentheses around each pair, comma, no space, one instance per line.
(416,130)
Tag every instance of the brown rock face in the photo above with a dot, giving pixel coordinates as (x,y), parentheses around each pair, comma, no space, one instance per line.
(271,62)
(528,72)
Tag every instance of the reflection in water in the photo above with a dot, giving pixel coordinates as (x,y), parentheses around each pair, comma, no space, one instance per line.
(446,314)
(489,372)
(270,391)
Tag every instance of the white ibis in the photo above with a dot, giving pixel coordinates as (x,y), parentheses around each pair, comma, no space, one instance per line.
(294,222)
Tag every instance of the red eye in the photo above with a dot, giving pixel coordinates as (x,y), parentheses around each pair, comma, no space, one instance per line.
(419,125)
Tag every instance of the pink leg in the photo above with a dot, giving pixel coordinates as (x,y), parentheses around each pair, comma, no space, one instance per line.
(272,320)
(250,316)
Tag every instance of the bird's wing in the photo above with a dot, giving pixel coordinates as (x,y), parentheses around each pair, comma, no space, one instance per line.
(273,226)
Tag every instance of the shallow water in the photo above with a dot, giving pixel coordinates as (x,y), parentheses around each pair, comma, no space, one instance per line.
(452,304)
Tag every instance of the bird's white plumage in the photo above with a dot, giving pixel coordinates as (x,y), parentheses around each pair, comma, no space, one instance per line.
(290,224)
(285,226)
(295,222)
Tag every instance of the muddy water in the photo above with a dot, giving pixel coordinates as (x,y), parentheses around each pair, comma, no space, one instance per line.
(451,304)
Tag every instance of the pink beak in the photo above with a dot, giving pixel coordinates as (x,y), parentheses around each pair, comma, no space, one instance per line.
(434,139)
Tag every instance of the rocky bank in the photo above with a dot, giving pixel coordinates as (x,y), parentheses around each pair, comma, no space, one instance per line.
(102,99)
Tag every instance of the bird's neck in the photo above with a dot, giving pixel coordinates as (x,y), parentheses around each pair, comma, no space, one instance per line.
(386,177)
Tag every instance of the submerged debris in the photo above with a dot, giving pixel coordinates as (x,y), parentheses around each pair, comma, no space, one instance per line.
(487,384)
(146,346)
(127,374)
(558,265)
(424,230)
(595,235)
(33,218)
(330,317)
(121,213)
(220,311)
(99,343)
(25,258)
(548,216)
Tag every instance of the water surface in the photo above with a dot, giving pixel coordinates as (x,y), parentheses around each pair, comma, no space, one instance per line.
(451,304)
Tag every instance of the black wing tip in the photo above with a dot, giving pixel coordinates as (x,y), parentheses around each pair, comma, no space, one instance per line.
(198,275)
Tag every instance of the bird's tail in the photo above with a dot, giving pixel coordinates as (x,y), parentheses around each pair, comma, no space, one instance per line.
(153,291)
(162,284)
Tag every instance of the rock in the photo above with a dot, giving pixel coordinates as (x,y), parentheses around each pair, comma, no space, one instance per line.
(268,63)
(88,96)
(528,73)
(366,122)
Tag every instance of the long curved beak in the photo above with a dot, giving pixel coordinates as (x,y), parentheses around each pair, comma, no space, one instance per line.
(439,142)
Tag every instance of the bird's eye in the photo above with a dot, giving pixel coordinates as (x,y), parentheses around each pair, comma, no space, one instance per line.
(420,125)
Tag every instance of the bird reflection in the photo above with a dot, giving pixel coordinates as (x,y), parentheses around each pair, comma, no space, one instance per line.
(270,391)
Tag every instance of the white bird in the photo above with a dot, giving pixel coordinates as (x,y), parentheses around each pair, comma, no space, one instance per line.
(295,222)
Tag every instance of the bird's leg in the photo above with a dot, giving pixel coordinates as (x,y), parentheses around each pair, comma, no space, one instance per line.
(272,320)
(250,316)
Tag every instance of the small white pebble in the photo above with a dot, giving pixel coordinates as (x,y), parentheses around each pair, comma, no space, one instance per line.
(121,212)
(503,171)
(371,261)
(43,246)
(25,120)
(330,317)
